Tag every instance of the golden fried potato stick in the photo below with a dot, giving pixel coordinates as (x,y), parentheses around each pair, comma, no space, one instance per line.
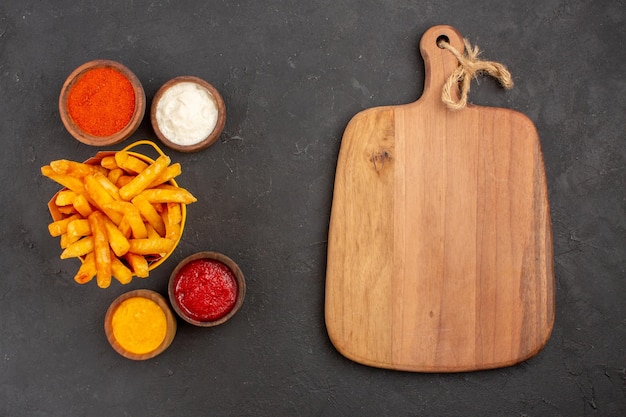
(64,242)
(124,228)
(166,195)
(151,246)
(148,212)
(65,198)
(74,169)
(174,213)
(109,163)
(77,229)
(132,215)
(66,210)
(101,197)
(152,234)
(79,248)
(87,270)
(168,174)
(57,228)
(123,180)
(144,178)
(67,181)
(172,217)
(82,206)
(120,271)
(111,188)
(114,176)
(129,163)
(102,250)
(138,264)
(118,242)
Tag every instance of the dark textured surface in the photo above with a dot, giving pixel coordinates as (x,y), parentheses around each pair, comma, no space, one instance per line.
(292,74)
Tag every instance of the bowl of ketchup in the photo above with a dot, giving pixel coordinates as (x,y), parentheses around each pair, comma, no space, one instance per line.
(206,289)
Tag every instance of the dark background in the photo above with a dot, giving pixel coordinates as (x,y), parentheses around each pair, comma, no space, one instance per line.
(292,74)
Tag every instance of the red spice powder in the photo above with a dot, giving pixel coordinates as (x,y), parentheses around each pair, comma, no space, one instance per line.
(102,101)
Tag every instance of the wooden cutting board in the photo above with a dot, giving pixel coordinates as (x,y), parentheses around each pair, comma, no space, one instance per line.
(440,245)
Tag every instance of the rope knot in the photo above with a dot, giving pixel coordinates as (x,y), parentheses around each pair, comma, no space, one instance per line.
(469,67)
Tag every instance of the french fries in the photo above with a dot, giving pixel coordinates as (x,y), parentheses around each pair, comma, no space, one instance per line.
(101,249)
(82,206)
(149,213)
(144,178)
(65,198)
(138,264)
(77,229)
(79,248)
(87,270)
(59,227)
(168,195)
(118,216)
(151,246)
(131,213)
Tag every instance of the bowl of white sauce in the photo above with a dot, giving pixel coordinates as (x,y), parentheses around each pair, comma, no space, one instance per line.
(188,114)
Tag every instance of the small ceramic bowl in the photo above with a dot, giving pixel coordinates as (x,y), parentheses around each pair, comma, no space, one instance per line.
(124,132)
(158,115)
(123,334)
(184,306)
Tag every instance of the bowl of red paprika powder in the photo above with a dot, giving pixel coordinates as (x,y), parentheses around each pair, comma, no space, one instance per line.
(206,289)
(102,103)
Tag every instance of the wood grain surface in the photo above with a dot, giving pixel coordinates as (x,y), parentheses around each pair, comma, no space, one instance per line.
(440,251)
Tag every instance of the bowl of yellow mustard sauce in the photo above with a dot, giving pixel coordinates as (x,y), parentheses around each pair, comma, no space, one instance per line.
(139,324)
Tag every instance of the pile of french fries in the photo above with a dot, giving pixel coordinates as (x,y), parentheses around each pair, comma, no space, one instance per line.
(117,216)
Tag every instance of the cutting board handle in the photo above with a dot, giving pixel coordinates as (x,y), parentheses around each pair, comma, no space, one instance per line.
(439,63)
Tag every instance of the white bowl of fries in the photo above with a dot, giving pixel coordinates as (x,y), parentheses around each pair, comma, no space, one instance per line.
(121,213)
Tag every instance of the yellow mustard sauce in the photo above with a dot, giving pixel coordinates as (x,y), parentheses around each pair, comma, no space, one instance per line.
(139,325)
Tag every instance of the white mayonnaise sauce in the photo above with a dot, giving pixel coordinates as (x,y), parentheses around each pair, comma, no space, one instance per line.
(186,113)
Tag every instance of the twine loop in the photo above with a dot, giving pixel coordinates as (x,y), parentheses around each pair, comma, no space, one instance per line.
(469,67)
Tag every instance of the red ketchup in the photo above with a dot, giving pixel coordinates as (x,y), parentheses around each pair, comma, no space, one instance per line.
(205,289)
